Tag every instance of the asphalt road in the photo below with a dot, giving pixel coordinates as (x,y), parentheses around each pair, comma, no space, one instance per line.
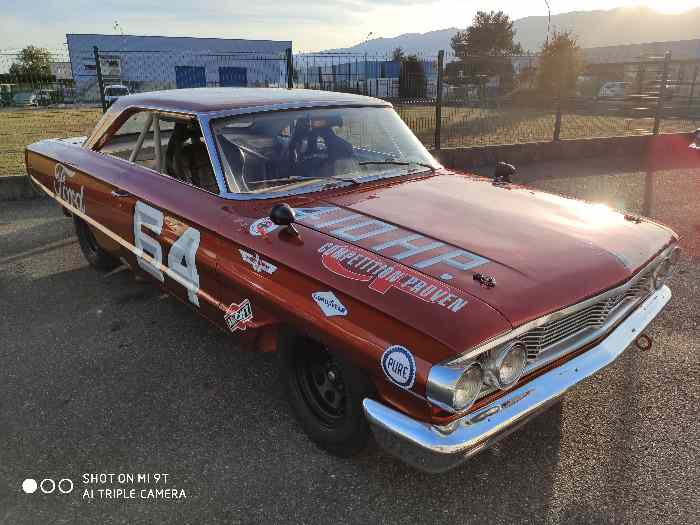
(103,374)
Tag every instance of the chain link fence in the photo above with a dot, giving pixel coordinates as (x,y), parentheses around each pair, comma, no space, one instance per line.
(39,102)
(443,107)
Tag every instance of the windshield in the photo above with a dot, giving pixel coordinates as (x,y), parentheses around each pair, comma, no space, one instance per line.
(307,150)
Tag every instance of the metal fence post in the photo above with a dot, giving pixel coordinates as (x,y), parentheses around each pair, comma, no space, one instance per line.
(438,99)
(557,121)
(692,86)
(100,82)
(290,68)
(662,94)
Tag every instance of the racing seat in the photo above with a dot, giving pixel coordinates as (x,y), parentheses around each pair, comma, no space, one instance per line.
(317,150)
(187,158)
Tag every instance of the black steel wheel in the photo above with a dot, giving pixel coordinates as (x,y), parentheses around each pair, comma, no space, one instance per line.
(320,381)
(326,394)
(95,255)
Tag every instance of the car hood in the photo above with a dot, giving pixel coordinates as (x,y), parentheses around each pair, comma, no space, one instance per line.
(543,251)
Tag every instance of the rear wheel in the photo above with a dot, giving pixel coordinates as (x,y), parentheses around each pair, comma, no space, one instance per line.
(95,255)
(326,395)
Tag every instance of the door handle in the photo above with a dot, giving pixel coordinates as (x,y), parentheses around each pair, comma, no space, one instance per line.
(117,193)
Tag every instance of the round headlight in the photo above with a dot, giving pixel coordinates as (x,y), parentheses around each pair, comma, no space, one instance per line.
(454,388)
(467,388)
(505,366)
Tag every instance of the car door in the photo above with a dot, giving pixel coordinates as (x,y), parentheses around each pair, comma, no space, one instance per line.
(125,156)
(155,212)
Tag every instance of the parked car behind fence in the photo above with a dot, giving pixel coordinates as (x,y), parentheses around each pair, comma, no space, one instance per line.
(25,98)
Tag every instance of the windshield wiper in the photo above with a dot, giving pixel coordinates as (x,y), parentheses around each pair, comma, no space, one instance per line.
(302,177)
(396,163)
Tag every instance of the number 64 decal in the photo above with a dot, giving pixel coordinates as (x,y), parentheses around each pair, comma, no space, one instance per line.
(184,249)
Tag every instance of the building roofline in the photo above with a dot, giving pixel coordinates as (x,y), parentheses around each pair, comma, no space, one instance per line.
(182,37)
(656,42)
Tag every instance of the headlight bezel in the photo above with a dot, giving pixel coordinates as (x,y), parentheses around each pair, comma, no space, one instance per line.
(492,364)
(666,267)
(443,383)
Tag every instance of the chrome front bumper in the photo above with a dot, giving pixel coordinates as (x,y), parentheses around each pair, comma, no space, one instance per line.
(437,449)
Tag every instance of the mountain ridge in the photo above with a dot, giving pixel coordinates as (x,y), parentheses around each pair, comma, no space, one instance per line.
(595,28)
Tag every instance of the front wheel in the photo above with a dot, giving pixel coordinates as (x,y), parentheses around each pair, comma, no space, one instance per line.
(95,255)
(326,395)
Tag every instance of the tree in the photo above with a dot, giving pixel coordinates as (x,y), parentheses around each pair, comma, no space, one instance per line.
(527,76)
(560,63)
(32,61)
(490,34)
(484,48)
(412,81)
(397,55)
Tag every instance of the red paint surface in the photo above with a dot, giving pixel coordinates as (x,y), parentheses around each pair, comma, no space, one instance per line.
(545,252)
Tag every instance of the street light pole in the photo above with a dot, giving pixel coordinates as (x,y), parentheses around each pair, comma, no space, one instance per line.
(549,21)
(366,72)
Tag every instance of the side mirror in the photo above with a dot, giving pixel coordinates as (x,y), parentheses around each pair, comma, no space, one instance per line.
(283,215)
(503,172)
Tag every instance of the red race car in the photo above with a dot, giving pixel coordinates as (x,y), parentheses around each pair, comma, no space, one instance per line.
(436,310)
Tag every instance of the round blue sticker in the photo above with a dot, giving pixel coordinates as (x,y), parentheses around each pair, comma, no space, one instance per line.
(399,366)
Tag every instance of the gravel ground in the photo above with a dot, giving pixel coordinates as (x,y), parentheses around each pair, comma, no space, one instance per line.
(103,374)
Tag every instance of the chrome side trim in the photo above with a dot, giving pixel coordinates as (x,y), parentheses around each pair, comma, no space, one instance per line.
(369,103)
(438,448)
(213,151)
(516,332)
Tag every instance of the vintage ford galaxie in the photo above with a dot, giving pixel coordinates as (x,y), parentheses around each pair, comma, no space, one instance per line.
(434,310)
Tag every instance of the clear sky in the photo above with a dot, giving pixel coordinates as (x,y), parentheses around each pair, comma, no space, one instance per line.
(311,24)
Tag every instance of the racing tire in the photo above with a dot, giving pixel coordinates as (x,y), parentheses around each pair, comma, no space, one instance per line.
(326,394)
(95,255)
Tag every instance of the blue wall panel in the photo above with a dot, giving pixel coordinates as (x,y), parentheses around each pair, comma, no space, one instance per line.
(190,77)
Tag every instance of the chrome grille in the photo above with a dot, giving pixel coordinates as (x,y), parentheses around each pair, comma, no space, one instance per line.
(594,316)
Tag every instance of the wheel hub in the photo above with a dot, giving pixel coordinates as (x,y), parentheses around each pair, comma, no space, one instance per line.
(322,385)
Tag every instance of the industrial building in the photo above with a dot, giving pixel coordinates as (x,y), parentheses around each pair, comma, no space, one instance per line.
(147,63)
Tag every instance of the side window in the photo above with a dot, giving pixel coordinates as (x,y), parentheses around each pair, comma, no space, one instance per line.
(133,141)
(167,143)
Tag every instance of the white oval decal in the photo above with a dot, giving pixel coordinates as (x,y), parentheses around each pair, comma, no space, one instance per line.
(399,366)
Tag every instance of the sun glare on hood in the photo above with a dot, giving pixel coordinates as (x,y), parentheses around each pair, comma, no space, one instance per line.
(583,214)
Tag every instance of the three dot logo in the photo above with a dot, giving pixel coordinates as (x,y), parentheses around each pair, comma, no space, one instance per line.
(48,486)
(29,486)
